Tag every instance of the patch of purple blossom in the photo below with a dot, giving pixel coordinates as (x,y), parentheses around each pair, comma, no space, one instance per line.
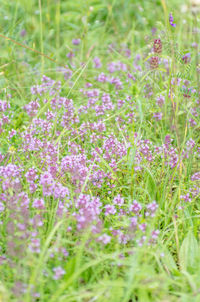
(171,20)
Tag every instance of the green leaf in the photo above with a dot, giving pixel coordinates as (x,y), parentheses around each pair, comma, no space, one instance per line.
(189,252)
(168,260)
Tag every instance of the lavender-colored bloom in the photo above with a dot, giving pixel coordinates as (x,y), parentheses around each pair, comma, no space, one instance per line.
(151,209)
(168,139)
(195,176)
(23,33)
(109,210)
(58,272)
(176,81)
(190,144)
(153,30)
(97,62)
(155,234)
(143,227)
(34,246)
(160,100)
(158,116)
(76,41)
(192,122)
(171,20)
(105,239)
(38,204)
(118,200)
(194,44)
(1,207)
(186,197)
(186,58)
(135,207)
(70,54)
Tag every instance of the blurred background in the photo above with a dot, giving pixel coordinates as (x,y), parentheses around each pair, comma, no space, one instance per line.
(48,26)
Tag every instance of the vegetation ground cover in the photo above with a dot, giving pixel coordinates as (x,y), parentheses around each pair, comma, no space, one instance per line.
(99,151)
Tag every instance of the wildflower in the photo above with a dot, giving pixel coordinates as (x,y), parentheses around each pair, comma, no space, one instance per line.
(195,176)
(153,30)
(186,197)
(38,204)
(151,209)
(34,246)
(157,46)
(160,100)
(168,139)
(154,236)
(135,207)
(97,62)
(158,116)
(192,122)
(118,200)
(109,210)
(154,62)
(171,20)
(58,272)
(143,227)
(105,239)
(1,207)
(194,44)
(186,58)
(23,33)
(76,41)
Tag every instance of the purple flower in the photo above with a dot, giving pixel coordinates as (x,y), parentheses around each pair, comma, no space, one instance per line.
(97,62)
(143,227)
(109,210)
(168,139)
(171,20)
(151,209)
(186,58)
(76,41)
(23,33)
(160,100)
(195,176)
(105,239)
(58,272)
(153,30)
(158,116)
(186,197)
(1,207)
(118,200)
(34,246)
(135,207)
(38,204)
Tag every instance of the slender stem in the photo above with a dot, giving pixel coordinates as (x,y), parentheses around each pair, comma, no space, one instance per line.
(197,52)
(41,37)
(57,27)
(30,48)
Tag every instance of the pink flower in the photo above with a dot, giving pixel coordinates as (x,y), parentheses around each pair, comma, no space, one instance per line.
(135,207)
(118,200)
(105,239)
(58,272)
(109,210)
(38,204)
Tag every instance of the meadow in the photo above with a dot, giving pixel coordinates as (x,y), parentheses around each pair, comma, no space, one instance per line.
(99,151)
